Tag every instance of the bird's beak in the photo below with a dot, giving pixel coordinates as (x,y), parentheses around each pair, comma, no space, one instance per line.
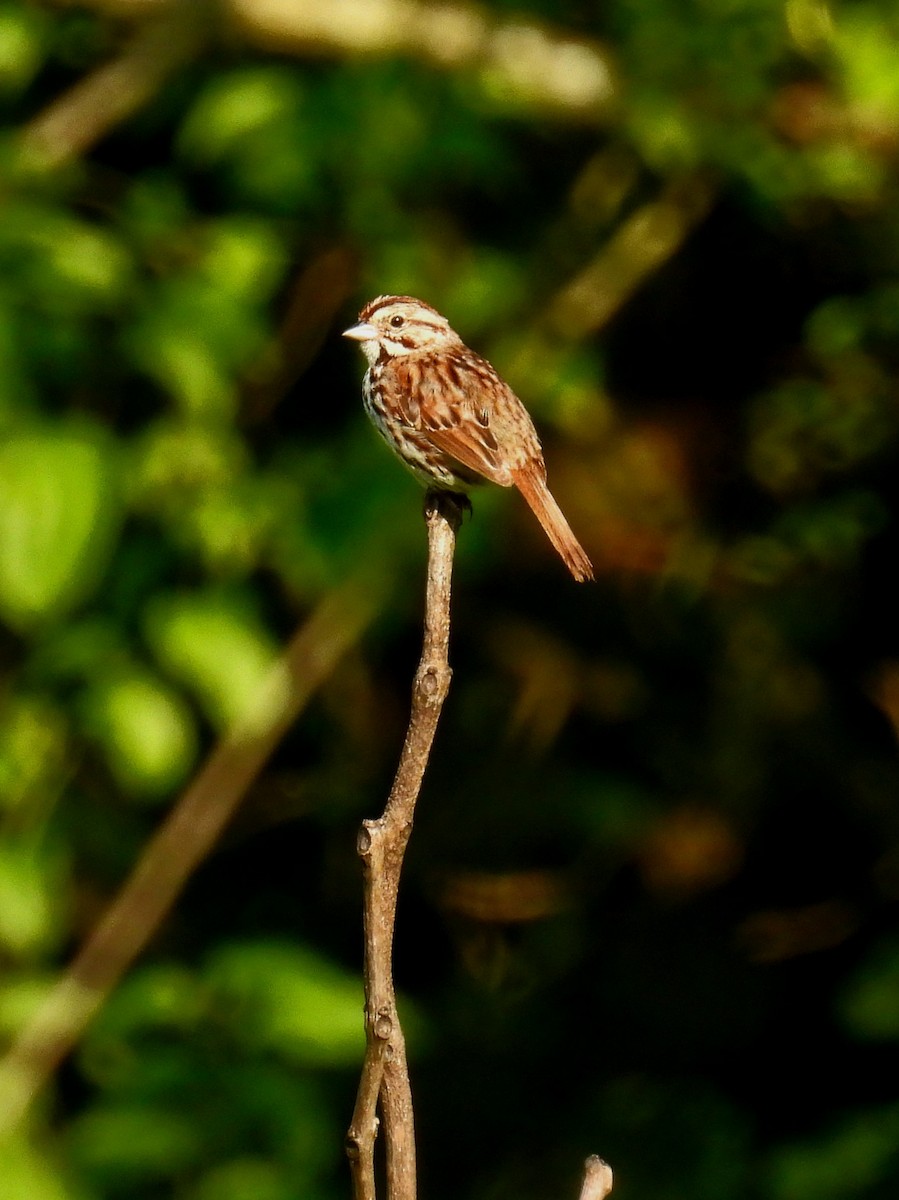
(361,333)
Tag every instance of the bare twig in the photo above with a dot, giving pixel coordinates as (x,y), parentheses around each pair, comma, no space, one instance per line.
(180,844)
(597,1179)
(381,845)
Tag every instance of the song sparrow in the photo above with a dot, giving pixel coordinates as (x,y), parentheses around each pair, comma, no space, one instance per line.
(450,417)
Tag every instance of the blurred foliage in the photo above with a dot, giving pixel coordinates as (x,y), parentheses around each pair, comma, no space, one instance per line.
(650,907)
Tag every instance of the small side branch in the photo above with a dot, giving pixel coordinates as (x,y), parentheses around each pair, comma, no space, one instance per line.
(381,846)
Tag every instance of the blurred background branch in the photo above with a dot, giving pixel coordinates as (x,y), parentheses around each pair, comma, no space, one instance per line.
(97,103)
(530,60)
(640,245)
(180,844)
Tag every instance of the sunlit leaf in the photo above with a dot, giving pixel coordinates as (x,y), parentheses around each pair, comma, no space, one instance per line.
(147,732)
(33,746)
(23,38)
(30,900)
(58,519)
(193,338)
(252,122)
(863,42)
(246,1179)
(244,257)
(125,1144)
(290,1000)
(236,107)
(30,1173)
(218,649)
(156,995)
(20,998)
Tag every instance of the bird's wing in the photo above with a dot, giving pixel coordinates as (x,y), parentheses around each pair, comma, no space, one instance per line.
(452,400)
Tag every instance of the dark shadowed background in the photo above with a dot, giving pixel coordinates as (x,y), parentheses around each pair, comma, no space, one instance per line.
(649,908)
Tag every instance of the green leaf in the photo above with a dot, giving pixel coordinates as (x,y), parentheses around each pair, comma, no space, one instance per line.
(33,750)
(159,997)
(291,1000)
(21,996)
(127,1143)
(220,651)
(870,1004)
(194,336)
(244,257)
(146,730)
(247,1179)
(22,45)
(58,519)
(864,42)
(29,1174)
(235,108)
(847,1162)
(29,898)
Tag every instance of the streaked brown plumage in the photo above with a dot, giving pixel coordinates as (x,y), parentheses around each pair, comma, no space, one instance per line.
(450,417)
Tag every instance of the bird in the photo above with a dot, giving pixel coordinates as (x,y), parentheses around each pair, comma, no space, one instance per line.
(450,417)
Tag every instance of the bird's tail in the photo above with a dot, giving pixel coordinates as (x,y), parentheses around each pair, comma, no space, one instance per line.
(542,503)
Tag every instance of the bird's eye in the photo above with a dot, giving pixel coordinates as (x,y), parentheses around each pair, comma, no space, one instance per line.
(397,322)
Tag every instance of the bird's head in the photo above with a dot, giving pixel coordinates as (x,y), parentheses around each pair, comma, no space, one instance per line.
(397,325)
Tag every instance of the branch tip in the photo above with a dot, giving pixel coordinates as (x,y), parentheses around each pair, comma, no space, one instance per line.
(597,1179)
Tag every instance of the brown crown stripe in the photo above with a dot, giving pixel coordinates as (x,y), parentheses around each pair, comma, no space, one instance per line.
(380,302)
